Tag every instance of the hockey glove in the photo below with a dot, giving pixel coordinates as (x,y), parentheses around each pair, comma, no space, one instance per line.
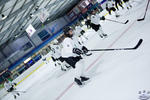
(77,51)
(102,18)
(107,8)
(15,84)
(82,32)
(85,50)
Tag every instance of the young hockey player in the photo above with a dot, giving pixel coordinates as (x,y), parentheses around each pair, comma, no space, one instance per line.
(110,7)
(10,87)
(56,56)
(79,43)
(72,55)
(80,32)
(44,59)
(88,22)
(95,23)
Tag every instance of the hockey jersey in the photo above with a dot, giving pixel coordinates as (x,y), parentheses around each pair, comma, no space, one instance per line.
(68,45)
(95,19)
(8,85)
(78,29)
(55,51)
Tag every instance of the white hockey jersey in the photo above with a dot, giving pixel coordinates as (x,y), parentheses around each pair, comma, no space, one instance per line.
(8,85)
(67,50)
(109,4)
(78,29)
(55,51)
(95,19)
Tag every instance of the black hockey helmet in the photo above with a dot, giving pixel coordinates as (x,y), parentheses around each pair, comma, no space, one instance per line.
(66,30)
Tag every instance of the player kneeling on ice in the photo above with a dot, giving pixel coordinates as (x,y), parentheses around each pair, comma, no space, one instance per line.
(72,55)
(10,87)
(56,56)
(95,23)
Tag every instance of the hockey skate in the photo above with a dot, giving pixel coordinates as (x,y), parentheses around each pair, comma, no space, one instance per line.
(78,82)
(18,94)
(83,79)
(15,96)
(130,6)
(101,36)
(63,69)
(117,16)
(105,35)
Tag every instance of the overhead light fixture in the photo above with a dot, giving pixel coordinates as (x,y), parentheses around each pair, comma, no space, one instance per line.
(3,16)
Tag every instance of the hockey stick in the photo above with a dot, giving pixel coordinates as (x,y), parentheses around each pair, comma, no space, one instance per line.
(118,21)
(144,13)
(137,45)
(20,91)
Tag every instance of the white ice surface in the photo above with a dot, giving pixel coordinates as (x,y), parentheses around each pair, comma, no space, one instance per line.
(116,75)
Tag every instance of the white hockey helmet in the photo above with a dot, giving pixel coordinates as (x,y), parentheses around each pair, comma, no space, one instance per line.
(55,41)
(83,22)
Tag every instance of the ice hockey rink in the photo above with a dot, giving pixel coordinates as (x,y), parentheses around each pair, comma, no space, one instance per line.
(115,75)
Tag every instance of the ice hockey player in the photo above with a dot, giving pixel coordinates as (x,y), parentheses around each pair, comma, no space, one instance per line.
(79,43)
(88,22)
(110,7)
(44,59)
(80,32)
(95,23)
(56,56)
(10,87)
(72,55)
(118,2)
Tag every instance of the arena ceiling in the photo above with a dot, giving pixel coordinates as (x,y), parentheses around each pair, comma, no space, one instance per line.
(16,15)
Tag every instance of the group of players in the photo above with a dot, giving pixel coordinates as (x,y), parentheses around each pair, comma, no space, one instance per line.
(71,52)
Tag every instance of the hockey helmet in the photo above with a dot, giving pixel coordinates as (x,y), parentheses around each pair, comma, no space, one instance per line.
(66,31)
(55,41)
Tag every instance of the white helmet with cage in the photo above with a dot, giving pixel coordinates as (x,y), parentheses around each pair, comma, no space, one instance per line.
(55,41)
